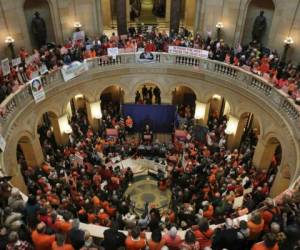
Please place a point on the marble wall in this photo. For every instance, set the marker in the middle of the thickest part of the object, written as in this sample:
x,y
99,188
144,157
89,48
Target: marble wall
x,y
236,15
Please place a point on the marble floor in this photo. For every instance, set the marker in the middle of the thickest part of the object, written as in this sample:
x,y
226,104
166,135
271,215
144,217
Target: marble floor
x,y
144,189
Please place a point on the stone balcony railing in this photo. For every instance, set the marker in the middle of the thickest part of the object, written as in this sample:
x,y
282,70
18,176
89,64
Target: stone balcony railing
x,y
14,103
277,98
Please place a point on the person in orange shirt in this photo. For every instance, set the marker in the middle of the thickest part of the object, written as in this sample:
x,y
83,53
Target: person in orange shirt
x,y
40,239
103,217
203,234
208,210
269,243
60,244
269,212
255,225
63,225
156,242
96,201
135,240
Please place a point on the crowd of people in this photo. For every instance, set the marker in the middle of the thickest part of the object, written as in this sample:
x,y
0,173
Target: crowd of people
x,y
81,181
253,57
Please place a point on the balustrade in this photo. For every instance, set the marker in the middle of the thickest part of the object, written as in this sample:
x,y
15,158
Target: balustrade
x,y
15,101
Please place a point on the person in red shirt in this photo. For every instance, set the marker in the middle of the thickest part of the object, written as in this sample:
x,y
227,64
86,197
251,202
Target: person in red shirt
x,y
135,240
269,243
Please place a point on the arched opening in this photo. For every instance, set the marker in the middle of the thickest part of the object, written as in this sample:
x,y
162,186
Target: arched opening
x,y
111,99
39,34
27,155
188,14
148,93
77,114
218,108
248,131
46,132
263,24
184,99
147,11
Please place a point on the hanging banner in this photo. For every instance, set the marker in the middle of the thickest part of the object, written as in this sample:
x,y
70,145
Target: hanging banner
x,y
144,57
5,67
73,70
16,61
113,52
37,89
2,143
184,51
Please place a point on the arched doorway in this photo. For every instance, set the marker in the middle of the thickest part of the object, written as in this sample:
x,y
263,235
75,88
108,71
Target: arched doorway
x,y
148,93
46,133
42,7
185,96
218,108
111,99
254,9
77,114
184,99
248,131
29,154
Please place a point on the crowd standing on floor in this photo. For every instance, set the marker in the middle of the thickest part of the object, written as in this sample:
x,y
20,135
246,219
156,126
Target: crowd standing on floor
x,y
79,182
204,178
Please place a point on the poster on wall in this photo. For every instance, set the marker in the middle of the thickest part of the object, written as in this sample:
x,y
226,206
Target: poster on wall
x,y
37,89
5,67
113,52
73,70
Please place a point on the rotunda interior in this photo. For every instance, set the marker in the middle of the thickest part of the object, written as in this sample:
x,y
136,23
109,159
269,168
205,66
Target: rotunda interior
x,y
150,124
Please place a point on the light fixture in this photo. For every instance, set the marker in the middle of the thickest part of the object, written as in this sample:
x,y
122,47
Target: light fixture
x,y
289,40
200,110
96,110
64,125
218,97
10,43
78,96
287,44
9,40
231,125
219,25
77,25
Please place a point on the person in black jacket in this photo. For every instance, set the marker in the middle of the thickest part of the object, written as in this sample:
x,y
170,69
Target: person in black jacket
x,y
113,239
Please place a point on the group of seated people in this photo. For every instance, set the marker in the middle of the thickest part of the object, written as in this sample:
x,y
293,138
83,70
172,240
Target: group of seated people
x,y
253,57
79,182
